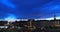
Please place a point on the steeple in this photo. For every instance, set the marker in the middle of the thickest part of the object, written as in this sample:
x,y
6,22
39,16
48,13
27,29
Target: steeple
x,y
54,17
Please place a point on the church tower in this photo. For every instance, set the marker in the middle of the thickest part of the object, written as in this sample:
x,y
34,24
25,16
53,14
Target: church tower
x,y
54,20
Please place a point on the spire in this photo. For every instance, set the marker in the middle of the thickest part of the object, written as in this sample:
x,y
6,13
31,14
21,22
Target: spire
x,y
54,17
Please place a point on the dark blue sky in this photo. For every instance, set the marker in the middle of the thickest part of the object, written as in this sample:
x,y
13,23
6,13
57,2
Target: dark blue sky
x,y
29,8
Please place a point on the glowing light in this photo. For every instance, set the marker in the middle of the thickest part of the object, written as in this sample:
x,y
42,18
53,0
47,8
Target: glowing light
x,y
11,17
52,18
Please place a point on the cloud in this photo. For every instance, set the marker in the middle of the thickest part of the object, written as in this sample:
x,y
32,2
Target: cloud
x,y
7,3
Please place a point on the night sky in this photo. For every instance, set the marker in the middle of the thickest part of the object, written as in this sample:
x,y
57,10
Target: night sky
x,y
29,8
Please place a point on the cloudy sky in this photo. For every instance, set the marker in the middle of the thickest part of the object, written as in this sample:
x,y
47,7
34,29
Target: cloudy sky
x,y
29,8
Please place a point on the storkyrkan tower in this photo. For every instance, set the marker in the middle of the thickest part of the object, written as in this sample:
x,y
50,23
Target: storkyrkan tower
x,y
54,20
